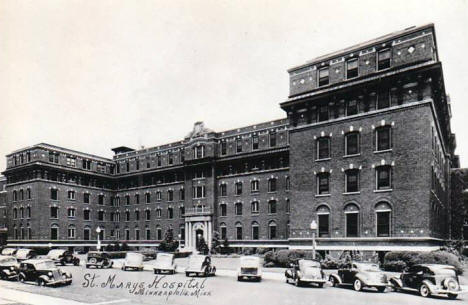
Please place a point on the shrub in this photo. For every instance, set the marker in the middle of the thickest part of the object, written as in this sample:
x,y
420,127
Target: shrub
x,y
394,260
262,251
269,265
282,258
395,266
269,257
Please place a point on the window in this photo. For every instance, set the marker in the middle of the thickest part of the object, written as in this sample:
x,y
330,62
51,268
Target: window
x,y
159,160
137,234
383,211
272,185
127,200
101,199
86,164
272,230
54,212
127,234
28,156
324,224
323,183
238,145
171,158
323,77
352,143
86,234
28,193
21,195
351,107
127,165
323,148
71,212
198,174
254,186
238,188
71,195
182,194
86,197
137,198
100,215
127,216
158,213
199,192
383,59
223,209
383,99
148,234
86,215
352,220
170,213
71,161
239,231
383,138
255,231
170,195
254,207
272,139
181,212
54,232
199,152
323,113
28,212
22,212
288,206
147,215
223,148
71,232
158,233
352,68
223,231
223,189
352,180
148,198
137,215
15,213
255,142
383,177
53,194
272,206
158,195
288,183
117,216
238,208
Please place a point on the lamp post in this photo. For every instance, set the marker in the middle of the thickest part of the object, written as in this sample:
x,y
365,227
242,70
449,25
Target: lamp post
x,y
98,231
313,227
180,236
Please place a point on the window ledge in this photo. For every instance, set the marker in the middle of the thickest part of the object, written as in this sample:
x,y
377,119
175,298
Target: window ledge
x,y
254,192
323,195
383,191
324,159
382,151
351,193
350,156
272,192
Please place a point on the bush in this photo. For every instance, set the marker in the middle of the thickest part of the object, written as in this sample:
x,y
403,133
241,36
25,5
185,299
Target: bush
x,y
248,251
393,261
262,251
395,266
269,265
269,257
282,258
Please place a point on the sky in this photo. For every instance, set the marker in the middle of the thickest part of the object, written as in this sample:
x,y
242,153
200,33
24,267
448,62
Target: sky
x,y
93,75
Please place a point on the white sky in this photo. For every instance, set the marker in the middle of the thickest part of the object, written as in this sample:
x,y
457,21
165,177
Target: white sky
x,y
93,75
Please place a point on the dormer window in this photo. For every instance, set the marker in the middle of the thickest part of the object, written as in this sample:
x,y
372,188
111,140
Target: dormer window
x,y
323,77
199,152
352,68
383,59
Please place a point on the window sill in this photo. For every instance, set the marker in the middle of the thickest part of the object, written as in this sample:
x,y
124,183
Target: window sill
x,y
255,213
383,191
323,195
274,192
351,193
382,151
353,155
254,192
324,159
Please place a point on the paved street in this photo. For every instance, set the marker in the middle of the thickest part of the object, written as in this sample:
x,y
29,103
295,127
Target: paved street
x,y
96,286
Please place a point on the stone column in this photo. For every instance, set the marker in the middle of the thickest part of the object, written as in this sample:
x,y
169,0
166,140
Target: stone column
x,y
205,231
209,234
186,235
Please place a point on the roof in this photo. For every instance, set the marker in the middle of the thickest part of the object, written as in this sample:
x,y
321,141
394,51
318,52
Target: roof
x,y
122,149
36,260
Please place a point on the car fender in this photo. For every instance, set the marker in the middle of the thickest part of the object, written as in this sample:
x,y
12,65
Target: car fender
x,y
45,278
361,277
337,278
6,271
396,282
22,274
430,285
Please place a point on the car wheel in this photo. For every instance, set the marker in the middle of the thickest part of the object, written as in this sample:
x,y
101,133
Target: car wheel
x,y
93,260
357,285
424,290
333,281
381,289
76,263
156,271
62,263
40,282
123,268
298,282
239,278
187,273
452,296
21,278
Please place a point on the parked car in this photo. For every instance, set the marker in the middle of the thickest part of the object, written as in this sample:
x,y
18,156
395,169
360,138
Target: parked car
x,y
63,257
43,272
165,263
250,268
200,265
9,251
133,261
429,279
98,260
360,275
305,271
8,267
24,254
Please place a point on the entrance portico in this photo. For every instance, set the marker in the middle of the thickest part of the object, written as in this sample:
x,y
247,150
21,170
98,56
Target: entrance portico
x,y
197,226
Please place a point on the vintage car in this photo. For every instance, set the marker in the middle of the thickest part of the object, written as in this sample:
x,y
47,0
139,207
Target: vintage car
x,y
165,263
9,251
8,267
360,275
63,257
250,268
133,261
200,265
98,260
24,254
429,279
305,271
43,272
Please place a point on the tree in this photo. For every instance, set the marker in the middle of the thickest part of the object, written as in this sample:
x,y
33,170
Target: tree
x,y
202,247
458,202
215,243
169,244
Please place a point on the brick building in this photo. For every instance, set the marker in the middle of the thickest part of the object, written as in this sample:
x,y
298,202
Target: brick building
x,y
365,151
3,211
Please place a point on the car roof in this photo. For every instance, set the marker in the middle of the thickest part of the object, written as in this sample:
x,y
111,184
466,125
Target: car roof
x,y
36,261
6,256
436,266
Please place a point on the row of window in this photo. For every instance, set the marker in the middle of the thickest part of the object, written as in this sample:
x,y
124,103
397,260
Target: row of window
x,y
20,159
255,231
352,141
254,186
383,180
272,142
254,208
21,194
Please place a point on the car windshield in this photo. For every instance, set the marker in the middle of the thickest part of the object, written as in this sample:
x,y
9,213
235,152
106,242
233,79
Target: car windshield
x,y
45,265
94,254
55,253
367,267
308,264
22,253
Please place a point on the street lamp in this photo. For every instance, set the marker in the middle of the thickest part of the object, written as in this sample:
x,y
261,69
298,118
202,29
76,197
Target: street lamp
x,y
313,227
98,231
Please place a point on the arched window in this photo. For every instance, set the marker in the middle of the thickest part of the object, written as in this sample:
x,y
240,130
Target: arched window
x,y
170,213
21,195
352,143
170,195
28,212
239,231
352,220
22,212
272,230
272,206
223,231
101,216
158,213
255,208
29,193
127,216
54,232
323,219
71,232
147,215
384,213
238,208
199,152
254,186
288,183
15,196
158,233
272,185
127,233
288,206
222,209
148,197
255,231
137,215
15,213
148,234
181,212
127,200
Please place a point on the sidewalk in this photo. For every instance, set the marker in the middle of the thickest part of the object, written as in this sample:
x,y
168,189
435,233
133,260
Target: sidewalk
x,y
9,302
